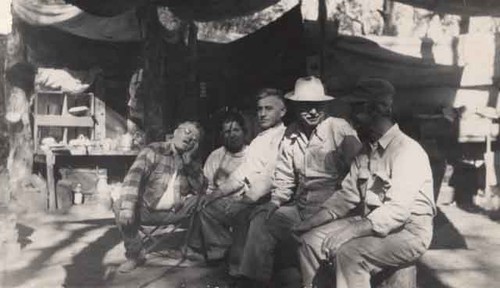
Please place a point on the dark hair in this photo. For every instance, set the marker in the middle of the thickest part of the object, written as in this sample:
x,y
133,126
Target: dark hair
x,y
22,75
233,116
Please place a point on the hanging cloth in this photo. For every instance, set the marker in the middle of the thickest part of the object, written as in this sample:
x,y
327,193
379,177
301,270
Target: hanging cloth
x,y
69,18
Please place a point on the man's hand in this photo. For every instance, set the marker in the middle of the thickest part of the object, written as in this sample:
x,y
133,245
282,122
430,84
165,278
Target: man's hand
x,y
178,206
189,155
268,209
126,217
321,217
335,239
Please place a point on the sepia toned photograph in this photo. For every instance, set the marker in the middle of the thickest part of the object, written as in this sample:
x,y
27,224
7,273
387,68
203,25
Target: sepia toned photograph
x,y
250,143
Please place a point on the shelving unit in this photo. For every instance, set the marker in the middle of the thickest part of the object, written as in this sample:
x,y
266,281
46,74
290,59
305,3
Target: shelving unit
x,y
51,112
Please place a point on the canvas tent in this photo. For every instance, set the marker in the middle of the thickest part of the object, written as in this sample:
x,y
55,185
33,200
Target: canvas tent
x,y
218,22
217,46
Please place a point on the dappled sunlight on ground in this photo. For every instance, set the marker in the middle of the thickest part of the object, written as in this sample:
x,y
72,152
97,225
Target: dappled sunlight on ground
x,y
84,249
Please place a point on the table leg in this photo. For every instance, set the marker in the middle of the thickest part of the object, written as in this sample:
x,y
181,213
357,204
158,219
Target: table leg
x,y
50,162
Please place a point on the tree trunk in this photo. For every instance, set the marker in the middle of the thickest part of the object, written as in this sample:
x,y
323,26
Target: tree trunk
x,y
390,28
20,159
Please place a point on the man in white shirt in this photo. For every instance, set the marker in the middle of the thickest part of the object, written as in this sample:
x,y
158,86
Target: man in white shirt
x,y
227,158
231,203
314,156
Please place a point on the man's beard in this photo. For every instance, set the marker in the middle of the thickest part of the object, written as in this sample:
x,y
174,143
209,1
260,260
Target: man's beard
x,y
364,134
233,148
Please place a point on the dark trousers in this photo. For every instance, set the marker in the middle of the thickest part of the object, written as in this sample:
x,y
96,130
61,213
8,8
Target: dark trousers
x,y
263,237
224,224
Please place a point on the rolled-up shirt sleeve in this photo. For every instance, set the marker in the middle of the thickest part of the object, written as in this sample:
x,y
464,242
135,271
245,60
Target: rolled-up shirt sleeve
x,y
408,177
284,181
132,182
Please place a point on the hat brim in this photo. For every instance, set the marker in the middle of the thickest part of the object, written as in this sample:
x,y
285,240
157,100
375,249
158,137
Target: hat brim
x,y
298,98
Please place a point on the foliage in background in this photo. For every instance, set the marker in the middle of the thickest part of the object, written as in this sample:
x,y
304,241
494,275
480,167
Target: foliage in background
x,y
368,17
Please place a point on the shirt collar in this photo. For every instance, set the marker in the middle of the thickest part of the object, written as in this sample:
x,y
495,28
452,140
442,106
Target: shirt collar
x,y
299,133
274,128
386,139
237,154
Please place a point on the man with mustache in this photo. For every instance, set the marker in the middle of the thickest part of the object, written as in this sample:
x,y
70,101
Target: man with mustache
x,y
389,187
314,156
159,188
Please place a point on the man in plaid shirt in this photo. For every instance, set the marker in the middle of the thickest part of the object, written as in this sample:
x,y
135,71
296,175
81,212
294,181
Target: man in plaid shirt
x,y
158,188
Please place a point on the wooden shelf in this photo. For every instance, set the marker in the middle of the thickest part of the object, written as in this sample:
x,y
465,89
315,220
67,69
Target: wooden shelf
x,y
64,121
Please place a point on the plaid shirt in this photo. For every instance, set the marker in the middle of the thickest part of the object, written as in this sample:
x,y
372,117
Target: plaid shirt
x,y
149,175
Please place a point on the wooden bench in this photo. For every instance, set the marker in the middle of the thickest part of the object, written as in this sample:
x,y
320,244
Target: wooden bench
x,y
405,277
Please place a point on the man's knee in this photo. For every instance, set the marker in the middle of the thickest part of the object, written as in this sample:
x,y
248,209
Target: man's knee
x,y
311,240
258,231
349,255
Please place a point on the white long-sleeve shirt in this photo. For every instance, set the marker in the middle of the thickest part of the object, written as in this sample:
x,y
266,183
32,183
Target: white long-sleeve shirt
x,y
260,162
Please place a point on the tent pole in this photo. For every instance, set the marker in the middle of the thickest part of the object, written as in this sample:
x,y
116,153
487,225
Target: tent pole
x,y
322,18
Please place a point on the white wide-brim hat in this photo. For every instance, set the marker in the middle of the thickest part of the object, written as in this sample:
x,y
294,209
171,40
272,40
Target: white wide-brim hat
x,y
308,89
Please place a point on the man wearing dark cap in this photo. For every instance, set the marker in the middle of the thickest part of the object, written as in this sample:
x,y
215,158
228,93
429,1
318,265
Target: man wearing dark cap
x,y
388,189
314,156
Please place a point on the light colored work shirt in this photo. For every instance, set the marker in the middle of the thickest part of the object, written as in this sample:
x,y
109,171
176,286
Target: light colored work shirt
x,y
314,164
220,164
260,162
399,183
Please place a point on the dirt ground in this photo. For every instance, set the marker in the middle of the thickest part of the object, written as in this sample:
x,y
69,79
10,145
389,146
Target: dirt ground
x,y
83,249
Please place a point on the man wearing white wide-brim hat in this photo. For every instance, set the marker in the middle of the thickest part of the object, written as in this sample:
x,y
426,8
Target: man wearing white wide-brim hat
x,y
314,157
391,181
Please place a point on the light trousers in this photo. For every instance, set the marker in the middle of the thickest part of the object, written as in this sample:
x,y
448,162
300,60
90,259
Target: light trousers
x,y
359,258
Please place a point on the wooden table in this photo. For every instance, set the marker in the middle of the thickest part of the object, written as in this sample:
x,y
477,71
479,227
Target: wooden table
x,y
50,157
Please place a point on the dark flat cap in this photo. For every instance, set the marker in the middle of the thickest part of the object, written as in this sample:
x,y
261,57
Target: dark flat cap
x,y
371,90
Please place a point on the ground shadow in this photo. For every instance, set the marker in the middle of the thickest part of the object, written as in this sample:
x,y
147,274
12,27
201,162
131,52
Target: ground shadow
x,y
446,235
427,278
20,276
24,233
90,260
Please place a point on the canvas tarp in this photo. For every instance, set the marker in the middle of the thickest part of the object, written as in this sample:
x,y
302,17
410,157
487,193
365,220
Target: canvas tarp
x,y
427,76
206,10
220,23
120,28
197,10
